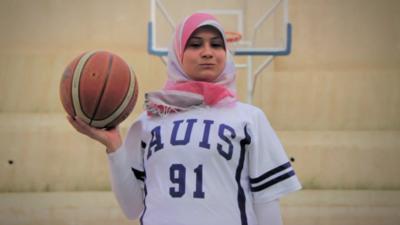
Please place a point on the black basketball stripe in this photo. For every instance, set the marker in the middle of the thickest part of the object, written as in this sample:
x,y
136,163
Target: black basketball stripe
x,y
122,101
79,83
110,62
72,81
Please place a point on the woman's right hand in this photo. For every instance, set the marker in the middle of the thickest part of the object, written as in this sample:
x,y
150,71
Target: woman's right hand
x,y
111,138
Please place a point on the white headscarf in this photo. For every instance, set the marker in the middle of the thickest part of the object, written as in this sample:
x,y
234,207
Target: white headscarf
x,y
180,92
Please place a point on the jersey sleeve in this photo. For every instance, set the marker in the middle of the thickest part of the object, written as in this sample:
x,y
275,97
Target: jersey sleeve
x,y
271,173
127,173
268,213
135,149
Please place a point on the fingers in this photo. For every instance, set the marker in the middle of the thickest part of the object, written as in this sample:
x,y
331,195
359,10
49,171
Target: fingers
x,y
80,125
109,137
72,122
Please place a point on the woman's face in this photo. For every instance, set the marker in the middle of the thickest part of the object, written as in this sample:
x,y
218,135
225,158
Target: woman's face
x,y
204,55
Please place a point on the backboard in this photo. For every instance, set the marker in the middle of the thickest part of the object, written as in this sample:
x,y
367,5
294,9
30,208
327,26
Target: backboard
x,y
263,24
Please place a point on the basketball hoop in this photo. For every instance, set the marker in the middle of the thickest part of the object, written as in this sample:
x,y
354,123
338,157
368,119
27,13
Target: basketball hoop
x,y
232,36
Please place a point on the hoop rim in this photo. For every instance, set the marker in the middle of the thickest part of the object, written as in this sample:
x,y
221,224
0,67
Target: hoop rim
x,y
232,36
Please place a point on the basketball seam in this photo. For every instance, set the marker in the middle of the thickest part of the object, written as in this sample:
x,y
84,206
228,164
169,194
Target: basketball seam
x,y
126,101
76,86
110,61
132,76
79,86
72,81
122,102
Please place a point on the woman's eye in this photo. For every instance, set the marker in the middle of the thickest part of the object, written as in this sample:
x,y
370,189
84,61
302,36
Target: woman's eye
x,y
217,45
194,45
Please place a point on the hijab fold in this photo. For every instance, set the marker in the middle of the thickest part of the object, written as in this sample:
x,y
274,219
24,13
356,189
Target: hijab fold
x,y
180,92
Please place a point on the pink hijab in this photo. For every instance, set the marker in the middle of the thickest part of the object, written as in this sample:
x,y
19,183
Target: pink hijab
x,y
181,93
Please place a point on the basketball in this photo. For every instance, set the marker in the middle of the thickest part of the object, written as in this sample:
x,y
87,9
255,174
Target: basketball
x,y
100,88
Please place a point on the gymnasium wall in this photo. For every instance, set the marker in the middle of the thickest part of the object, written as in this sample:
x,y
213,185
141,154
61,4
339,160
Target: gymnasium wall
x,y
335,101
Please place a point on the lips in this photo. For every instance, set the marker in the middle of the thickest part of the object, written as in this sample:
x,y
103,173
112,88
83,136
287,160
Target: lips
x,y
207,64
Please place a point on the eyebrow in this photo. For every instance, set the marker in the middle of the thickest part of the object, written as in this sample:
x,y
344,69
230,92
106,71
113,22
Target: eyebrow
x,y
197,37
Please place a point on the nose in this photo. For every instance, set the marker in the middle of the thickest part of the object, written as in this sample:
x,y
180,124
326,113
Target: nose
x,y
207,51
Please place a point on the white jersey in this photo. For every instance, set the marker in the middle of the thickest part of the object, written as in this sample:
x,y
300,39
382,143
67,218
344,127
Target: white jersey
x,y
207,166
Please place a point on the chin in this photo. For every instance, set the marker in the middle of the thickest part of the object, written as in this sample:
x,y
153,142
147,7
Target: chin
x,y
208,77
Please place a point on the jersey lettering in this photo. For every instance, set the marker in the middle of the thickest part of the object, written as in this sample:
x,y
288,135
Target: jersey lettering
x,y
225,133
189,127
177,176
221,133
155,141
199,193
205,143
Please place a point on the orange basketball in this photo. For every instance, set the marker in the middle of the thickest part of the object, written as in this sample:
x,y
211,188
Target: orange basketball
x,y
100,88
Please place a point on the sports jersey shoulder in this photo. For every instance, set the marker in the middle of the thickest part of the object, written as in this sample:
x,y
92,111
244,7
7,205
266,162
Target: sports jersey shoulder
x,y
271,174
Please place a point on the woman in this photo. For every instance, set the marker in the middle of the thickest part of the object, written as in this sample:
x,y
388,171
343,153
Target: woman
x,y
197,155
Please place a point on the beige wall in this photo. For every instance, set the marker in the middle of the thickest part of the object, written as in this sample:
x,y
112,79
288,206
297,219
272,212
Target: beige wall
x,y
344,72
335,101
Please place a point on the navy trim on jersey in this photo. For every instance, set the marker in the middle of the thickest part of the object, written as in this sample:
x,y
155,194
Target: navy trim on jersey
x,y
143,144
241,196
270,173
267,175
144,204
140,175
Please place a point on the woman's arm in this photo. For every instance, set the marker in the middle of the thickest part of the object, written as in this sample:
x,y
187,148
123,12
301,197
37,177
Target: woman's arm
x,y
126,187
